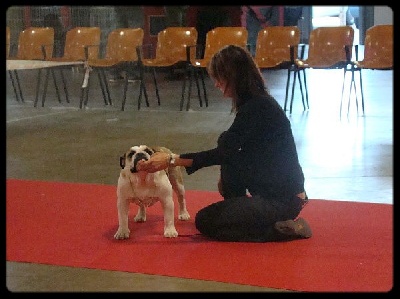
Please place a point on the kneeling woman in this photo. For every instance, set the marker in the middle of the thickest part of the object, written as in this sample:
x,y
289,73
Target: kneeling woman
x,y
261,179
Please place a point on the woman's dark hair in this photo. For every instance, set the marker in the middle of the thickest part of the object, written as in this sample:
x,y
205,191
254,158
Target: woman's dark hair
x,y
236,66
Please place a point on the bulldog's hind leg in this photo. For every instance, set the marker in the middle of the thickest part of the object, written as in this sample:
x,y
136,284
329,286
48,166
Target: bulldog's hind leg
x,y
141,215
176,179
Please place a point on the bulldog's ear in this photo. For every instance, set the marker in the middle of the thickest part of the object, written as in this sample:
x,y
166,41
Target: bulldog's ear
x,y
122,161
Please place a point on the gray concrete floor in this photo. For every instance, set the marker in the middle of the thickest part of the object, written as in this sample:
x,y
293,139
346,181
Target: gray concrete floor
x,y
347,158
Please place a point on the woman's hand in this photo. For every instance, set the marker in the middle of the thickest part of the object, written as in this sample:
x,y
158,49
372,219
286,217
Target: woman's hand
x,y
158,161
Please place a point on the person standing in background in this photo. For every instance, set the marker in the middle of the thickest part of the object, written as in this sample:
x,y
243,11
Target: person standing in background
x,y
209,17
254,18
128,16
53,20
292,15
175,15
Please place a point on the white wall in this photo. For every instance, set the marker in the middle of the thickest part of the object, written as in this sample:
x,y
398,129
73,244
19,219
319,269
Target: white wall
x,y
383,15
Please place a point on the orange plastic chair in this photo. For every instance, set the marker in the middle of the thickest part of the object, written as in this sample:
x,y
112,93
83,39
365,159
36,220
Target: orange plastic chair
x,y
329,48
378,55
216,39
276,49
81,44
36,43
171,51
123,46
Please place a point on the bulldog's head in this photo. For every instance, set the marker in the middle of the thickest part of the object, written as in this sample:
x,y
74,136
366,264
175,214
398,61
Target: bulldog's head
x,y
135,154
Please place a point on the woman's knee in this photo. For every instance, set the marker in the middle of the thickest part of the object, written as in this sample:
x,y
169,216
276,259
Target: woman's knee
x,y
203,222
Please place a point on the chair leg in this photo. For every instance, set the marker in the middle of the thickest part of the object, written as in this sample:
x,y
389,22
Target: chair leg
x,y
84,98
188,75
189,91
287,87
124,93
38,87
64,85
18,85
144,90
353,83
46,84
196,78
140,95
14,85
53,75
302,83
104,87
204,86
305,86
341,98
362,92
293,86
155,85
86,89
81,97
301,91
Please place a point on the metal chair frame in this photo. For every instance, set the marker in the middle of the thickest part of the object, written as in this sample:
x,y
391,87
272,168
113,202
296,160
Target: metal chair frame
x,y
329,48
171,51
216,39
378,55
277,48
122,52
81,44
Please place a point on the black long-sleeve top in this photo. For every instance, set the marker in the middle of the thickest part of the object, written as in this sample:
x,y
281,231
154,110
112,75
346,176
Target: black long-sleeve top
x,y
260,144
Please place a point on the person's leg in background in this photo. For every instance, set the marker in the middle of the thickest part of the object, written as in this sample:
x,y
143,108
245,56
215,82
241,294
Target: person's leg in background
x,y
253,26
255,18
175,16
129,16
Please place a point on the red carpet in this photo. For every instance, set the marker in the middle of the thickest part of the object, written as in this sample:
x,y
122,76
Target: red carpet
x,y
70,224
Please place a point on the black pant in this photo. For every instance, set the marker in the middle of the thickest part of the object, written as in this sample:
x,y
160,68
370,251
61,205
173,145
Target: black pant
x,y
241,218
245,219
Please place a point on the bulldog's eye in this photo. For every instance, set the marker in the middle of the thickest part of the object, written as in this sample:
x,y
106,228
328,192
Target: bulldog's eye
x,y
149,151
131,154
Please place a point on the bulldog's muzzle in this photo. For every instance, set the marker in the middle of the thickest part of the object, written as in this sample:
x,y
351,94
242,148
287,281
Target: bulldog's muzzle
x,y
138,157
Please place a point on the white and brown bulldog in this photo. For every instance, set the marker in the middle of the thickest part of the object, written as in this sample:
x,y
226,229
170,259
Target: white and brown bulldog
x,y
145,189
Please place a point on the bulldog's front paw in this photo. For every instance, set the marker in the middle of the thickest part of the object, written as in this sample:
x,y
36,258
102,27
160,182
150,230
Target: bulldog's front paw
x,y
184,215
140,218
170,232
122,234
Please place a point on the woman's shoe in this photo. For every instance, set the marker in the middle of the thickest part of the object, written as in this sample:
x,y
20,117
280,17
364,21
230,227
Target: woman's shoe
x,y
294,228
